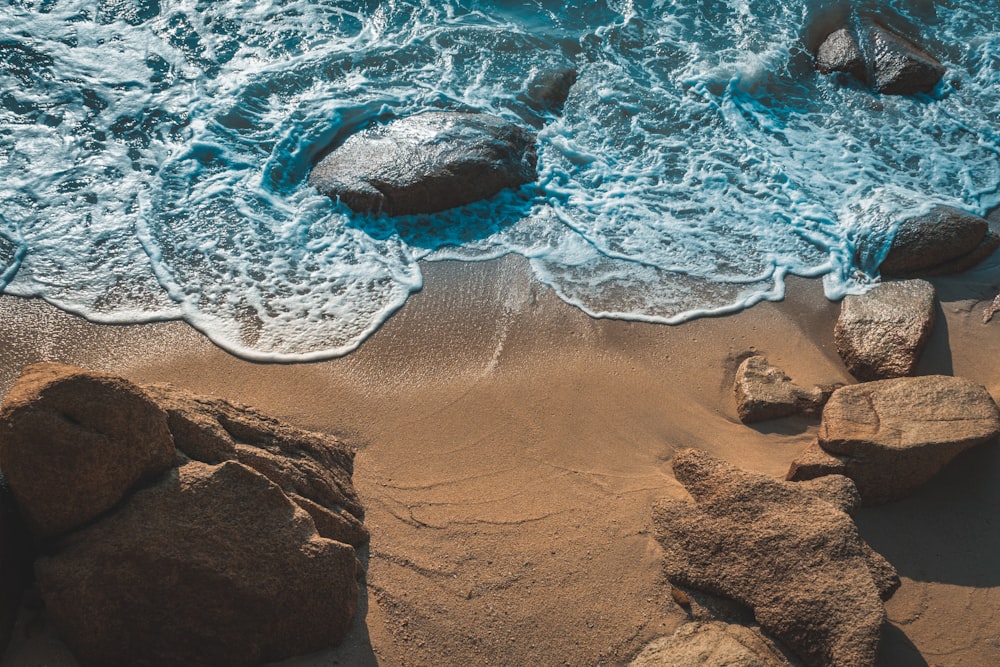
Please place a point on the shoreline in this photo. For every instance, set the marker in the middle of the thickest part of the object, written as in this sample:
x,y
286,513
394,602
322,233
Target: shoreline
x,y
510,449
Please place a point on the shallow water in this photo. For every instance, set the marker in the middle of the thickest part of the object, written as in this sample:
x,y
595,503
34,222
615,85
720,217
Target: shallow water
x,y
154,154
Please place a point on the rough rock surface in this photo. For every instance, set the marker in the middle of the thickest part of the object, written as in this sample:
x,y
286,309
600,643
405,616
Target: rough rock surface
x,y
313,469
898,66
546,92
944,240
213,565
787,550
15,563
427,162
839,52
894,435
73,443
710,644
882,333
764,392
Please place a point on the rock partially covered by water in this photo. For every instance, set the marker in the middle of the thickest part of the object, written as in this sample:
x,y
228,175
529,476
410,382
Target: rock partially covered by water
x,y
73,443
945,240
545,93
840,53
892,436
764,392
888,62
897,65
213,565
882,333
426,163
787,550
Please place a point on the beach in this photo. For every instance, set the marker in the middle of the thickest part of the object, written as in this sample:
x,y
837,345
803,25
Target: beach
x,y
510,449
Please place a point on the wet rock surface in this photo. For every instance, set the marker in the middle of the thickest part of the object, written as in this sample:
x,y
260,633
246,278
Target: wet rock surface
x,y
789,551
15,563
945,240
885,60
882,333
840,52
892,436
764,392
426,163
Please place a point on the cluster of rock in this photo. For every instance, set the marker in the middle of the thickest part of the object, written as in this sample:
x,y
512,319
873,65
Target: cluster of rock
x,y
174,529
883,59
788,550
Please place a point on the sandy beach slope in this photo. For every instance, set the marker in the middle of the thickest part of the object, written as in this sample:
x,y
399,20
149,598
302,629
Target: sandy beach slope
x,y
511,448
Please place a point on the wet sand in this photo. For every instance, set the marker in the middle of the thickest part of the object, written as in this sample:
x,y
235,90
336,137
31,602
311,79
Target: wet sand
x,y
510,449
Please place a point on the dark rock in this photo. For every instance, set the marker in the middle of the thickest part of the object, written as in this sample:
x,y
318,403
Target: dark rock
x,y
547,91
74,443
313,469
926,242
882,333
892,436
15,563
986,247
787,550
426,163
897,65
213,565
764,392
710,644
839,52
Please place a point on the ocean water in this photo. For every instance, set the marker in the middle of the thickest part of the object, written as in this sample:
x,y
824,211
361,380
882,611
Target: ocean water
x,y
154,154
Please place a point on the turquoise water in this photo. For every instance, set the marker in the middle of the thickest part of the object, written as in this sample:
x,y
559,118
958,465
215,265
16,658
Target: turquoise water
x,y
154,154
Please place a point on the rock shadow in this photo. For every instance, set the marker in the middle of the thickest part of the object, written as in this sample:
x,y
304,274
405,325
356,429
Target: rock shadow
x,y
945,532
936,358
896,649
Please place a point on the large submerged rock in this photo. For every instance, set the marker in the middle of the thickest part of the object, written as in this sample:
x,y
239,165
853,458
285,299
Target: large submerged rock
x,y
885,60
892,436
240,556
73,443
882,333
426,163
945,240
789,551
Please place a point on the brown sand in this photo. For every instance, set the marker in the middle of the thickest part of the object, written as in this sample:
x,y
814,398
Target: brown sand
x,y
510,450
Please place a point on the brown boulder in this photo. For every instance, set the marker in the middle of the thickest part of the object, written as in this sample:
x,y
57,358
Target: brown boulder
x,y
313,469
213,565
764,392
73,443
789,551
710,644
882,333
892,436
944,239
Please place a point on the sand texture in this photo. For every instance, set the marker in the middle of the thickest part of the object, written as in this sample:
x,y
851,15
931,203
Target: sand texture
x,y
511,450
